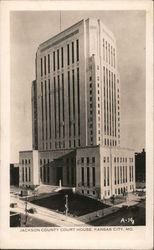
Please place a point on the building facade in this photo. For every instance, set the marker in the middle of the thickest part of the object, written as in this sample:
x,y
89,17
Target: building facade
x,y
76,110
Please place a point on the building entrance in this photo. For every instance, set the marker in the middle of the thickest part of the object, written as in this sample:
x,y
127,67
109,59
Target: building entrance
x,y
59,175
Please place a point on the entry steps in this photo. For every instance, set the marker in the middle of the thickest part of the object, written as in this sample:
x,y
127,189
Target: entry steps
x,y
43,188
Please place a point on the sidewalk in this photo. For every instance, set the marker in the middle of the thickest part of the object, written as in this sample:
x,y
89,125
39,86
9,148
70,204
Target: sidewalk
x,y
132,200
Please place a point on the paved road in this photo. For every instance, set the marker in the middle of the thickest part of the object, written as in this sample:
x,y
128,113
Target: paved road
x,y
130,217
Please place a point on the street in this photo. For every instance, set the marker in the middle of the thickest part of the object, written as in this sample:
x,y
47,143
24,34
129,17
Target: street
x,y
125,217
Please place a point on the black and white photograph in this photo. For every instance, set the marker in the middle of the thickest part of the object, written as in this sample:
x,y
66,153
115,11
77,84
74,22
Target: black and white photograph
x,y
78,130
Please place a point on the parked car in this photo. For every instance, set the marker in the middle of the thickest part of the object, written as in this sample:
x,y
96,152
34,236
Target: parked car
x,y
13,205
31,210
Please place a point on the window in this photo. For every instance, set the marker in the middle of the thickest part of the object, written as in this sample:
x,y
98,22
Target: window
x,y
87,160
68,55
77,50
93,173
78,98
115,180
72,52
41,67
55,111
26,174
63,105
104,177
59,106
58,58
69,104
22,161
73,90
88,176
93,160
25,161
62,58
108,176
54,61
118,175
48,63
23,174
82,175
48,175
45,65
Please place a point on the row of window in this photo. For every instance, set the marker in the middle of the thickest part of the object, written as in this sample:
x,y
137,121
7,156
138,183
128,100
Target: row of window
x,y
85,180
88,192
110,142
123,190
59,110
122,159
110,104
26,174
61,144
87,160
45,161
109,53
121,174
57,58
26,161
91,110
45,174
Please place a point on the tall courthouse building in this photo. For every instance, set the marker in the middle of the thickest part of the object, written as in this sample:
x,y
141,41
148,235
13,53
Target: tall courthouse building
x,y
76,115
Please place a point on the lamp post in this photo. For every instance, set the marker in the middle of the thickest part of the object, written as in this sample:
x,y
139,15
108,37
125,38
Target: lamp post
x,y
26,215
66,205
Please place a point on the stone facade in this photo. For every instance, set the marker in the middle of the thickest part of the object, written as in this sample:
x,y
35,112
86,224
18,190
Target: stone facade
x,y
76,115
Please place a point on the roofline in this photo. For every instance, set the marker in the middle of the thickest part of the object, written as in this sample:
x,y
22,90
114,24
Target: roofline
x,y
53,37
26,151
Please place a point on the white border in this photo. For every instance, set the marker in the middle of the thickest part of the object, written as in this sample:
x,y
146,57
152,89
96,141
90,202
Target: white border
x,y
140,237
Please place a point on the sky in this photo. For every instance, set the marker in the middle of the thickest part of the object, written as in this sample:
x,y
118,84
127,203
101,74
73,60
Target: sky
x,y
30,28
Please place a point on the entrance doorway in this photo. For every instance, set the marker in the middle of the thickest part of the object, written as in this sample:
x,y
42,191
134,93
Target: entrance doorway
x,y
59,175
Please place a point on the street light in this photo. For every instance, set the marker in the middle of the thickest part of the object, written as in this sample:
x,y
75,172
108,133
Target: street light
x,y
26,215
66,205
